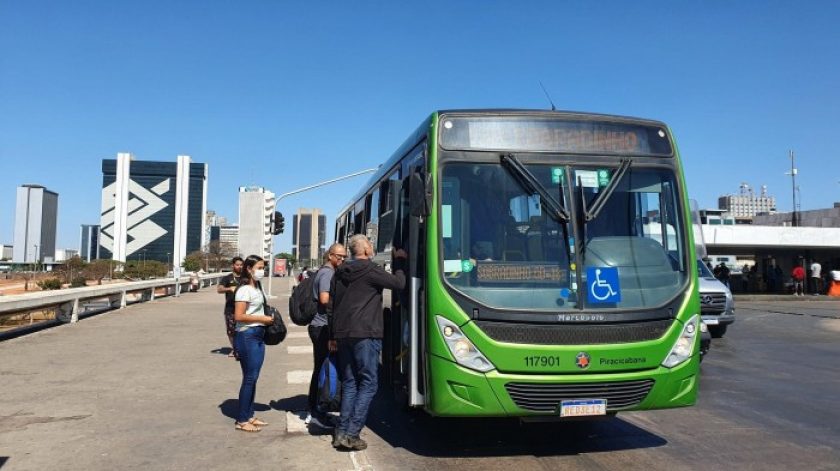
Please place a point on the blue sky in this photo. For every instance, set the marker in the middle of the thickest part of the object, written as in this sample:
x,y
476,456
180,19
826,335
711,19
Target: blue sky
x,y
285,94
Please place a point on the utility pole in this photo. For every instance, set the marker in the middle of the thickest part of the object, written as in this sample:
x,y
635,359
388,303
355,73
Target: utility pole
x,y
794,221
301,190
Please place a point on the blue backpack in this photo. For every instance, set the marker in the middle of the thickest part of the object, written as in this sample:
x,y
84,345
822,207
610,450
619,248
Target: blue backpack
x,y
329,386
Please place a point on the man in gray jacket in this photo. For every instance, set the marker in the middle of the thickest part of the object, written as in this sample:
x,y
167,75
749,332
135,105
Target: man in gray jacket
x,y
357,326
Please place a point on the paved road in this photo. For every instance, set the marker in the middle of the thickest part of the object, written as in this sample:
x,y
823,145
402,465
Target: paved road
x,y
151,387
769,399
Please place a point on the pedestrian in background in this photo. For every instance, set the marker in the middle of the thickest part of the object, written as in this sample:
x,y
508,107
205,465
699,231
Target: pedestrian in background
x,y
358,329
722,274
319,330
798,275
250,329
227,286
816,278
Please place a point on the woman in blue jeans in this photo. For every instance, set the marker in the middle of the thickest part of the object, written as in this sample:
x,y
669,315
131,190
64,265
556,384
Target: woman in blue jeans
x,y
250,327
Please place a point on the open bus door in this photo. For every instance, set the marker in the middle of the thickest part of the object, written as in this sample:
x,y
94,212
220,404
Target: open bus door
x,y
403,346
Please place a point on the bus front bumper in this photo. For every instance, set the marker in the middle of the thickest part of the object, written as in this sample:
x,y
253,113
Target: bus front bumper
x,y
456,391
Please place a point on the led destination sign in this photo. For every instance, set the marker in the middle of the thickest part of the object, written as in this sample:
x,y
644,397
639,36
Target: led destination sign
x,y
533,134
507,272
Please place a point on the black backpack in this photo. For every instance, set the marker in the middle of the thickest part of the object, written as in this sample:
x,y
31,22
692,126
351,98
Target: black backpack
x,y
302,303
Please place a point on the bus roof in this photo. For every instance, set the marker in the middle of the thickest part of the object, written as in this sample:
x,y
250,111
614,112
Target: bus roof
x,y
422,130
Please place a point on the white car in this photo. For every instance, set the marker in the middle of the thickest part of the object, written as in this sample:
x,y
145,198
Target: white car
x,y
717,307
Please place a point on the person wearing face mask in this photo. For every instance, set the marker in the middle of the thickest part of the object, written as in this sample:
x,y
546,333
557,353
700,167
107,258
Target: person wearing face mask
x,y
248,313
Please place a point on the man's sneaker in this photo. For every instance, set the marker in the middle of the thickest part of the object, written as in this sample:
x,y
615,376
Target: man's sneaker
x,y
321,421
353,443
338,439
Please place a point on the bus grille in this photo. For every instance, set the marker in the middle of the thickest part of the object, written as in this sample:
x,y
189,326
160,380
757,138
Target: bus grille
x,y
582,334
546,397
712,302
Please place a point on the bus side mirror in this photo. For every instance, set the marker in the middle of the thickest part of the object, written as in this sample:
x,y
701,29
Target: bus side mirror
x,y
420,194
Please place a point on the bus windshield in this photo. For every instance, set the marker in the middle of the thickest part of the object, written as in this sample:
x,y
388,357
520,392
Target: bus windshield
x,y
504,248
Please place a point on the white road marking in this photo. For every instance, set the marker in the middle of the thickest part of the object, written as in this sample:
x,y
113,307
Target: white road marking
x,y
297,335
360,461
298,376
299,350
294,422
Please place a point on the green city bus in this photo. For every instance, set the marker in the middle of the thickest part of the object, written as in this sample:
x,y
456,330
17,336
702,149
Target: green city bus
x,y
551,265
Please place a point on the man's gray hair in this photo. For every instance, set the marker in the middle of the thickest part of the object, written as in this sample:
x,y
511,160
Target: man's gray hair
x,y
332,250
358,243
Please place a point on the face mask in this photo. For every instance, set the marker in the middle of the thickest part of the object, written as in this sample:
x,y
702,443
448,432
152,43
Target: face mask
x,y
259,274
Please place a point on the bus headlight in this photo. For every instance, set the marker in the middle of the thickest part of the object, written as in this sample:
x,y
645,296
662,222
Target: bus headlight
x,y
461,348
684,346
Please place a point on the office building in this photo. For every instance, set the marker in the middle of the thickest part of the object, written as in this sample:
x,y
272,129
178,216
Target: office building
x,y
36,220
152,210
89,242
256,208
6,252
308,236
228,238
212,219
62,255
744,206
827,217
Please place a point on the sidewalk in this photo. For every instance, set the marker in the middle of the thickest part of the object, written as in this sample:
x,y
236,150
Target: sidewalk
x,y
151,387
783,297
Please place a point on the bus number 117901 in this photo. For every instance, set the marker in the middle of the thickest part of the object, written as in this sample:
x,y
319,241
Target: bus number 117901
x,y
542,360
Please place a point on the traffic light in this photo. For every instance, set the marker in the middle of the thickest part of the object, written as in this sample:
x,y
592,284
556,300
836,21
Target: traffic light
x,y
278,223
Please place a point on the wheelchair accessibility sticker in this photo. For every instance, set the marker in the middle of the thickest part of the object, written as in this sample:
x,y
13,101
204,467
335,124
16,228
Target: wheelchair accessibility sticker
x,y
603,285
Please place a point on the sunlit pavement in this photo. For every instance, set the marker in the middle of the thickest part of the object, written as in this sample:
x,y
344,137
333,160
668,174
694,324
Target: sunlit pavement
x,y
151,387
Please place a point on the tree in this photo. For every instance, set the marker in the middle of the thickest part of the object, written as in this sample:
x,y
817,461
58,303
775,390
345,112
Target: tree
x,y
26,276
145,269
218,255
290,260
50,284
72,268
193,261
99,269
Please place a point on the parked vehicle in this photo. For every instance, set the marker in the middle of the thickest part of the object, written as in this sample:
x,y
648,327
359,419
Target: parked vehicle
x,y
717,306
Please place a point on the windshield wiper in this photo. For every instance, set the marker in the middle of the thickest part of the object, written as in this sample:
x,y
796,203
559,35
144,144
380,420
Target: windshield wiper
x,y
530,184
597,205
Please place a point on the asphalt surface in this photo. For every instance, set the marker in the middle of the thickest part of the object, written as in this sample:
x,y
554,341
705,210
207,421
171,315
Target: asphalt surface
x,y
151,387
769,400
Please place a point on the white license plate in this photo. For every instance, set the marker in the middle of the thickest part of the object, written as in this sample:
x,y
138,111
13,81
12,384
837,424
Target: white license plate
x,y
583,407
711,321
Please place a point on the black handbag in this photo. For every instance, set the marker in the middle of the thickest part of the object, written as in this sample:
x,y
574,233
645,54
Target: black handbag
x,y
276,331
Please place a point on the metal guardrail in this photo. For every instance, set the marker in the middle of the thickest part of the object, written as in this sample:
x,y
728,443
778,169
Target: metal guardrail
x,y
68,302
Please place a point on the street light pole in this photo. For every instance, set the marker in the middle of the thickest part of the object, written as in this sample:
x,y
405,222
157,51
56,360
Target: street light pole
x,y
301,190
794,221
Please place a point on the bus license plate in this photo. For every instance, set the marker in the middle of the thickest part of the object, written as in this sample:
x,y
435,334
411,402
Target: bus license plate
x,y
583,407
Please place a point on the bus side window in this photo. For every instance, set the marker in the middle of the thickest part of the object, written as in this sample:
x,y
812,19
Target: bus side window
x,y
452,207
372,212
388,191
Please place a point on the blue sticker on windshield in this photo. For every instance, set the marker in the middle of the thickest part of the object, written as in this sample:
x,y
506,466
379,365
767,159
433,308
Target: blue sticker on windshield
x,y
603,285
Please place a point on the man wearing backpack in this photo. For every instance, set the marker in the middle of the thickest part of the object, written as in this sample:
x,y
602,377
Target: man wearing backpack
x,y
357,325
319,329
